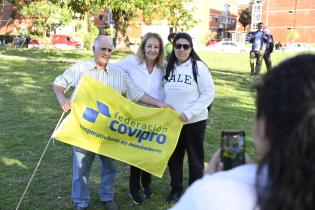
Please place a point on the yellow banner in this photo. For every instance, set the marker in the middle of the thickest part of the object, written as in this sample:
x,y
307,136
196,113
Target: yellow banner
x,y
103,121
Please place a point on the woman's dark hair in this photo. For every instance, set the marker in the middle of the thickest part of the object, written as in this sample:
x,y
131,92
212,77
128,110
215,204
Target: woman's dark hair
x,y
286,100
172,58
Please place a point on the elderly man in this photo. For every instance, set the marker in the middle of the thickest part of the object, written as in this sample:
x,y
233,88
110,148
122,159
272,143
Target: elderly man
x,y
99,69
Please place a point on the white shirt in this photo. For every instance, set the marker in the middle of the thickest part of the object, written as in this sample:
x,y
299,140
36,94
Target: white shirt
x,y
112,77
151,83
188,96
227,190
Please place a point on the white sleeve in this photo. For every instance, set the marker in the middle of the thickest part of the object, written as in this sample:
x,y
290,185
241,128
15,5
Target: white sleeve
x,y
66,80
124,64
206,90
211,193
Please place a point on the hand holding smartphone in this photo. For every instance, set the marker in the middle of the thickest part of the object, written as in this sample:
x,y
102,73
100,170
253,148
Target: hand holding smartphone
x,y
232,148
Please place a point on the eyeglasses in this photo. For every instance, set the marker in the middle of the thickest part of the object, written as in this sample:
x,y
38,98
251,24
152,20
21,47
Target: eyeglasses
x,y
104,49
179,46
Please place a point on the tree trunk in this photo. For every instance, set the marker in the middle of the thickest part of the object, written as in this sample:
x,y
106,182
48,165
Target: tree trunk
x,y
121,23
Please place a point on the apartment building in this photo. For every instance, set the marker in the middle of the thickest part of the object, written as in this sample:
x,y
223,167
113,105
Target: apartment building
x,y
283,16
223,17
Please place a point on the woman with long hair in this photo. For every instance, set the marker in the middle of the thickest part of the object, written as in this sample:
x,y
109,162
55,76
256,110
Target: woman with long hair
x,y
146,69
189,88
284,135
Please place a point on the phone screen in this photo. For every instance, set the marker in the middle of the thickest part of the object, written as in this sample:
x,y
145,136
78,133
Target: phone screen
x,y
232,148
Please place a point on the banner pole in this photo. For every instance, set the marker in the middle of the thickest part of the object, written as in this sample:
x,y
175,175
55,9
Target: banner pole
x,y
40,160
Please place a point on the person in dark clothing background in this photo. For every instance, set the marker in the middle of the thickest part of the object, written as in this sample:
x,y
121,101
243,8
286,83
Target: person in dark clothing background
x,y
269,49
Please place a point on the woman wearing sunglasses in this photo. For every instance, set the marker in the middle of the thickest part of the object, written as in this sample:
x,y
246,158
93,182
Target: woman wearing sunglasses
x,y
190,90
146,69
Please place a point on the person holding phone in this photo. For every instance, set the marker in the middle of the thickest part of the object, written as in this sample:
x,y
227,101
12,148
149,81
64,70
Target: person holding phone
x,y
284,135
189,89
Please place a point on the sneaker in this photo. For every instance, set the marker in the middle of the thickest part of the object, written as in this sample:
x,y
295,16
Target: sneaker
x,y
136,197
110,205
147,192
77,207
173,197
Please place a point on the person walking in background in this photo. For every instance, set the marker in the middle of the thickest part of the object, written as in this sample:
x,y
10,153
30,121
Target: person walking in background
x,y
146,69
259,41
269,49
169,45
99,69
190,90
284,136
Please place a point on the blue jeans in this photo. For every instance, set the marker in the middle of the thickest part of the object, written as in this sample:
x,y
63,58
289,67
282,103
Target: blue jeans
x,y
82,162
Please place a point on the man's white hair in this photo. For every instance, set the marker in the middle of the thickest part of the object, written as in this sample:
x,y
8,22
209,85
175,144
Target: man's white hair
x,y
98,39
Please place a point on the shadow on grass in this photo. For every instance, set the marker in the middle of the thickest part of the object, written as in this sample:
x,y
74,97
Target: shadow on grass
x,y
57,54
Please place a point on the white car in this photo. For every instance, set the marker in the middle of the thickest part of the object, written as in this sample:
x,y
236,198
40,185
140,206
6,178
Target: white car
x,y
228,46
299,47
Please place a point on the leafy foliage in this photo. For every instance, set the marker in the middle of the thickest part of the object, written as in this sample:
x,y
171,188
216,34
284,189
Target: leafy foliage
x,y
293,35
45,15
125,11
245,17
179,17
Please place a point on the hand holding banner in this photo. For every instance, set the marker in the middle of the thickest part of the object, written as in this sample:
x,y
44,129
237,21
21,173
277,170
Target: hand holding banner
x,y
104,122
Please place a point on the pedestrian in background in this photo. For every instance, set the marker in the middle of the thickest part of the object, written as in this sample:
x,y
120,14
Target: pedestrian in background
x,y
169,45
269,49
259,42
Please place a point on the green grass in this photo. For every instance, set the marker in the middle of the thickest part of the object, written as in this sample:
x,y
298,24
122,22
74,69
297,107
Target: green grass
x,y
29,113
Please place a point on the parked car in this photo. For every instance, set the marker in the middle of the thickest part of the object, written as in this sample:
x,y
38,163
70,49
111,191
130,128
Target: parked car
x,y
211,42
299,47
35,43
65,42
229,46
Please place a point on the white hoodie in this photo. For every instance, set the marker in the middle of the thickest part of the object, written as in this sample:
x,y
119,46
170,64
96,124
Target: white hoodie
x,y
187,96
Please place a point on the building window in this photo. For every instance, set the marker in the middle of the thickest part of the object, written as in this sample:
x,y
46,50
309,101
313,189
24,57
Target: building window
x,y
257,8
256,17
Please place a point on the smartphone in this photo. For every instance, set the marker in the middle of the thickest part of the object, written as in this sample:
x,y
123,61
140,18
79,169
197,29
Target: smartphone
x,y
232,148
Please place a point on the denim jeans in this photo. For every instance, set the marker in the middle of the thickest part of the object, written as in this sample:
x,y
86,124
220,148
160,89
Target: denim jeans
x,y
82,162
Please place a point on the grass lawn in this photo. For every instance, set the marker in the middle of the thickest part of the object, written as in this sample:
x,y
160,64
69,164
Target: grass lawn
x,y
29,113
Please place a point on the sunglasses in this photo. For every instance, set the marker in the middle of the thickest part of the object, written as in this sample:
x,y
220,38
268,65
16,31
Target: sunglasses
x,y
104,49
179,46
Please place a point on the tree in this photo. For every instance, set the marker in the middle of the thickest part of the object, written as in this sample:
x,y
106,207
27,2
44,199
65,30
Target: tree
x,y
45,15
245,17
179,17
293,35
125,10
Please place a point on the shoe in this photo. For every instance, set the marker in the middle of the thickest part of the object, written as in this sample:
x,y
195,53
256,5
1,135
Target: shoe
x,y
136,197
110,205
147,192
77,207
174,196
